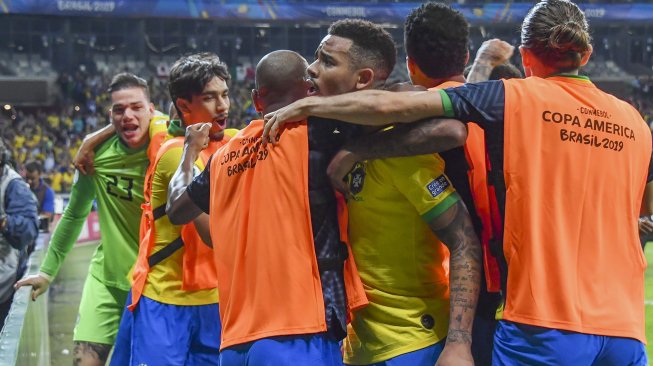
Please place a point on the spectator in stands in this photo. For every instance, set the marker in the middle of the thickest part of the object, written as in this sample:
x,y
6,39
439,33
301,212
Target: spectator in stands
x,y
18,227
43,192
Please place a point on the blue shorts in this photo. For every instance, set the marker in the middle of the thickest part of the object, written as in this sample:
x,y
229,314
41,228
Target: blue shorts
x,y
164,334
520,344
315,350
427,356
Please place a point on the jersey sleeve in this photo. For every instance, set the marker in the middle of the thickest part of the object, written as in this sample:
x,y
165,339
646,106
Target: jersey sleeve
x,y
163,172
482,103
73,220
158,124
422,181
199,190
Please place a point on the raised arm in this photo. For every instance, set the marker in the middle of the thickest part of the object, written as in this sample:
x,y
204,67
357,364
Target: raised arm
x,y
83,160
454,229
64,236
492,53
181,209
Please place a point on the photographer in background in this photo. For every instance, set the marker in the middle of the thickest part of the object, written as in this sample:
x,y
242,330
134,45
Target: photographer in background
x,y
44,194
18,226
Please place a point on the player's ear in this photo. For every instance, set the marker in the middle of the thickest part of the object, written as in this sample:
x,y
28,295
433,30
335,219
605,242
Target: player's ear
x,y
411,66
184,107
152,108
256,99
365,78
586,56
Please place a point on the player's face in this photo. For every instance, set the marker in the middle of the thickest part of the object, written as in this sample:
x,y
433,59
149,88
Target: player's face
x,y
210,106
131,112
332,72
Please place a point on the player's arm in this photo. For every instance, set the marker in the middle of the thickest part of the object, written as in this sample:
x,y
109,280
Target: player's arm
x,y
422,182
454,228
65,234
83,160
181,207
492,53
482,103
424,137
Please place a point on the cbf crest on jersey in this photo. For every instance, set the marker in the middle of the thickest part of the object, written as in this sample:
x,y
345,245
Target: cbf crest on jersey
x,y
356,179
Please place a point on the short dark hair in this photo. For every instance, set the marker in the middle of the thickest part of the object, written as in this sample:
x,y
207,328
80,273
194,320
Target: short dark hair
x,y
34,166
436,38
126,80
372,45
190,74
505,71
557,32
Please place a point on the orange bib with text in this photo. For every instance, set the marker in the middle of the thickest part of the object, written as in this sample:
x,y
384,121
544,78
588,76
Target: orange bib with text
x,y
268,276
576,162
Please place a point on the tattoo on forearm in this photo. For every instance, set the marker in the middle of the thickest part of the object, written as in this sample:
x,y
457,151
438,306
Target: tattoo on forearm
x,y
455,230
91,353
410,139
480,71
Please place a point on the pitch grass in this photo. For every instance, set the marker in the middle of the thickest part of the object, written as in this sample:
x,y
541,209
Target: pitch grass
x,y
64,295
66,291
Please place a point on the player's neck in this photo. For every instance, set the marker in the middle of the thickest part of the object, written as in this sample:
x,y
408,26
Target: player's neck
x,y
432,83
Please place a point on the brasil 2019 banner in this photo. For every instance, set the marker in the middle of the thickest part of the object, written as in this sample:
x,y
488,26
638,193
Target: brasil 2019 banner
x,y
271,10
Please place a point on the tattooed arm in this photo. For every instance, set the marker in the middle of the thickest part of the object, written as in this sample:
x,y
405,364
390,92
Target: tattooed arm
x,y
492,53
420,138
454,228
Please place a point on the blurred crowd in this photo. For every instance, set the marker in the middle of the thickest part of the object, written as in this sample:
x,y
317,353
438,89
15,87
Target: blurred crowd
x,y
52,135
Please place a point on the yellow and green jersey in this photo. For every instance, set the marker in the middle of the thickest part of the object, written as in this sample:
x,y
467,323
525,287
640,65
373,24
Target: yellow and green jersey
x,y
403,266
164,281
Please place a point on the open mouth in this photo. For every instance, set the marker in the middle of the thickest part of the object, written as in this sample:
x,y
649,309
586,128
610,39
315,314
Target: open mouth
x,y
313,89
220,122
130,129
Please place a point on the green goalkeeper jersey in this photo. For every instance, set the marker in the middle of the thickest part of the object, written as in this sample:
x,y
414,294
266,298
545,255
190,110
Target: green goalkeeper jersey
x,y
118,187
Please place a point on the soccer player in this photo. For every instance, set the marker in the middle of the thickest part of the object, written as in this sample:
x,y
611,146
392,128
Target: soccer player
x,y
282,281
560,301
397,208
436,39
174,298
117,185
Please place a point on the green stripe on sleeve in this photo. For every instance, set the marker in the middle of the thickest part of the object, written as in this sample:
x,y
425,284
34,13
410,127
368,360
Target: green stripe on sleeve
x,y
436,211
446,103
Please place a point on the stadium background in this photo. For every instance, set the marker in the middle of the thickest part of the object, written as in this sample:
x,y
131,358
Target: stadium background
x,y
57,57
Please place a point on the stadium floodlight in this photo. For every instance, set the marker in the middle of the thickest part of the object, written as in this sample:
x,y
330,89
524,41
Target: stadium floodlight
x,y
7,107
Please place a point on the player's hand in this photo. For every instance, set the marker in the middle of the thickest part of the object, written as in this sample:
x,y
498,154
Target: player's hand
x,y
645,226
39,285
495,52
83,160
197,137
341,164
456,354
274,121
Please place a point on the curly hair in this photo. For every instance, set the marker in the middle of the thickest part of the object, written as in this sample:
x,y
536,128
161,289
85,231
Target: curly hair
x,y
372,45
436,38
